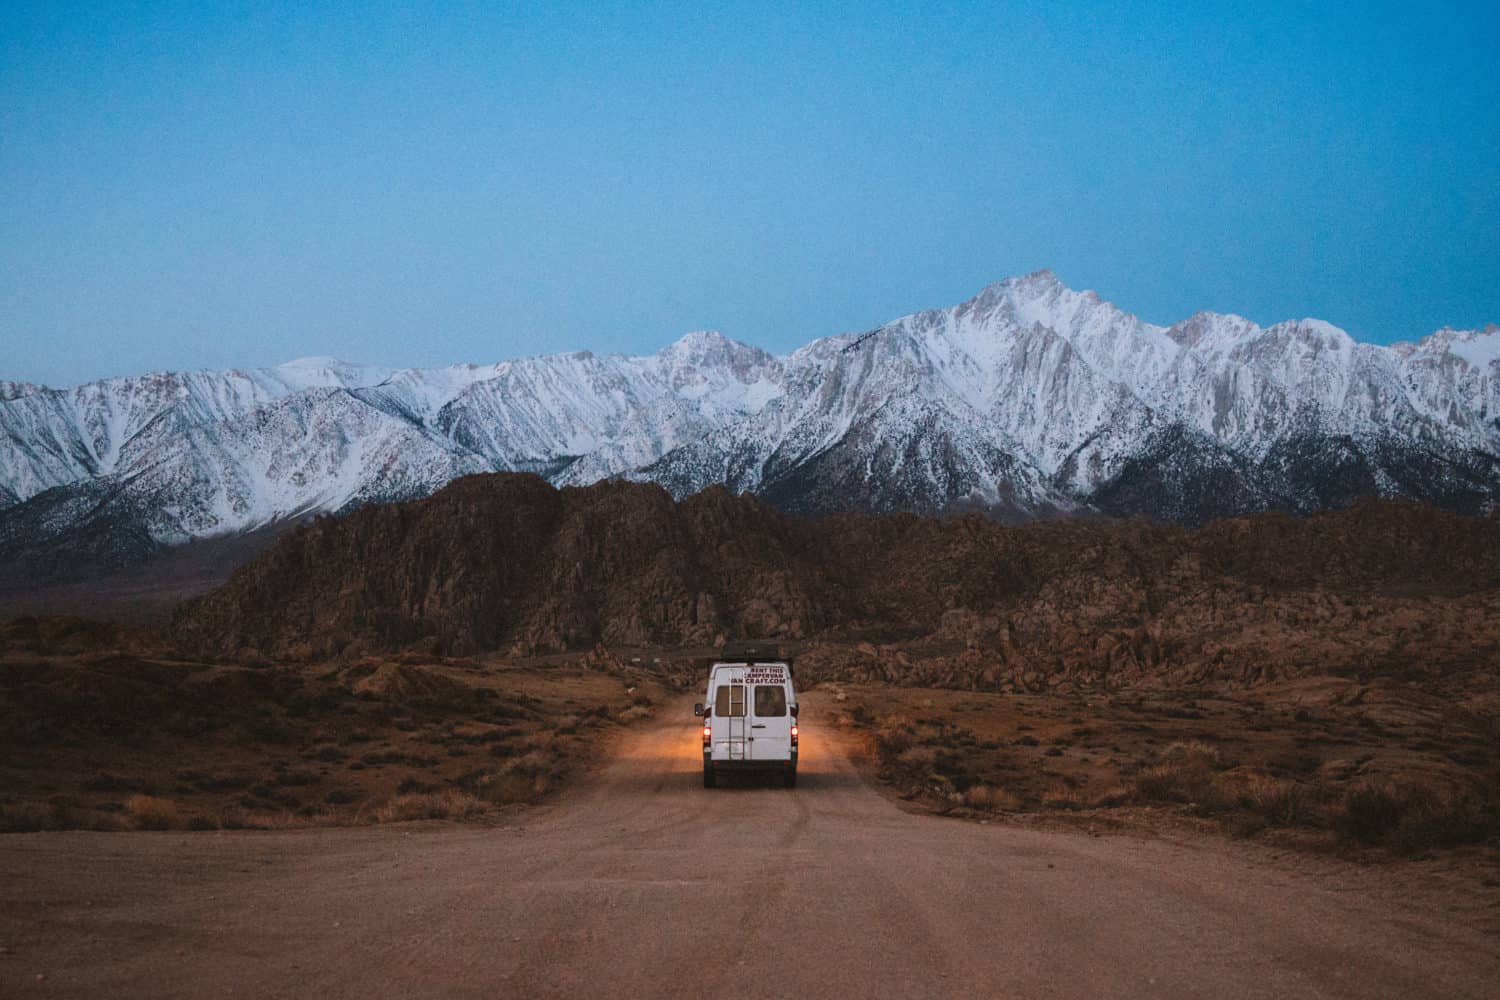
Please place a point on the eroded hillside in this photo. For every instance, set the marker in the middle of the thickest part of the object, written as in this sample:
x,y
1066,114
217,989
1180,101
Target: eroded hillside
x,y
506,562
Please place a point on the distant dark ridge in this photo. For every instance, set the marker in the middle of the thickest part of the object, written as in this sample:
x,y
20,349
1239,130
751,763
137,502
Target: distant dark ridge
x,y
507,562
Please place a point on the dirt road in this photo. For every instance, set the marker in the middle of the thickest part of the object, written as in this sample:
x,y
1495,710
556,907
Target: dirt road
x,y
638,882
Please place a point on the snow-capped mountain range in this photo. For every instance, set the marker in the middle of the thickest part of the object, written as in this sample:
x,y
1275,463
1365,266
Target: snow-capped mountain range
x,y
1028,399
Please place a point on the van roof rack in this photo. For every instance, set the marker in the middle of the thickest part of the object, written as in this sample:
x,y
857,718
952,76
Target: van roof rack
x,y
753,652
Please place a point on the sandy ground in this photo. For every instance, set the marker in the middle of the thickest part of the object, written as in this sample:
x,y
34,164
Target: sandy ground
x,y
638,882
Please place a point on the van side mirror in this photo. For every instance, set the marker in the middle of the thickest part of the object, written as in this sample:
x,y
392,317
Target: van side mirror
x,y
698,709
794,711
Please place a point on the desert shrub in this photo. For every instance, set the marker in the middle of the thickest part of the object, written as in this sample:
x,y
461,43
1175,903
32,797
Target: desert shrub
x,y
1412,819
234,817
1183,773
949,735
956,768
894,738
1275,801
26,817
508,788
201,823
147,812
1191,752
448,804
522,779
917,758
1446,821
1370,812
1063,797
541,766
55,815
1302,764
1117,795
991,798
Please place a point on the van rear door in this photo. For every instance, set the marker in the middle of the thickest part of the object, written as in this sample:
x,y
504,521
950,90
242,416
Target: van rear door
x,y
770,720
731,723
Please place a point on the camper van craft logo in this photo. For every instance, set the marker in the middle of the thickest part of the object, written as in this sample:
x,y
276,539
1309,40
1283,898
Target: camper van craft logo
x,y
764,675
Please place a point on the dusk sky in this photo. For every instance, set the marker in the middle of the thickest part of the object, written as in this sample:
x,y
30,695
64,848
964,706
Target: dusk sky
x,y
183,187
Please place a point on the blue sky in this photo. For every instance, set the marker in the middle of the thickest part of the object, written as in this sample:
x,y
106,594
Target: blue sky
x,y
186,186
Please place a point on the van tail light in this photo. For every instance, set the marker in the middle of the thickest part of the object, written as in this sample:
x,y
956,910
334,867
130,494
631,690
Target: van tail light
x,y
794,734
708,733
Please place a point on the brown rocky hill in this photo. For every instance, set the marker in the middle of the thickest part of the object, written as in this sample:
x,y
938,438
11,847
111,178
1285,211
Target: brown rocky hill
x,y
508,562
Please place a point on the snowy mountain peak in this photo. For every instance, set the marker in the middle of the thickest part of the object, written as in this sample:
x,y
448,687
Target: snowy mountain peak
x,y
1041,278
1030,397
702,344
1323,334
697,338
709,349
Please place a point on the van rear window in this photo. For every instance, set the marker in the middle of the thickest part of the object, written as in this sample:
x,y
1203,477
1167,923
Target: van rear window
x,y
729,701
770,700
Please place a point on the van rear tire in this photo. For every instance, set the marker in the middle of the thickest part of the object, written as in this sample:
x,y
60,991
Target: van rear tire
x,y
710,780
790,775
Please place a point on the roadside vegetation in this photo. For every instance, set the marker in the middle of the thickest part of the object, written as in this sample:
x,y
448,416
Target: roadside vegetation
x,y
1407,777
100,731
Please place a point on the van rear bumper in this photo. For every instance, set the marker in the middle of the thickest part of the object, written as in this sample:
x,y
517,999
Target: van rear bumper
x,y
737,764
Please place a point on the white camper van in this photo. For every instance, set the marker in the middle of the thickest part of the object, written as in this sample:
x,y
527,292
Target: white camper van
x,y
750,717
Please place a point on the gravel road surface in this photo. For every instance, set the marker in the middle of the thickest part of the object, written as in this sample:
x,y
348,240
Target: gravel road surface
x,y
637,882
